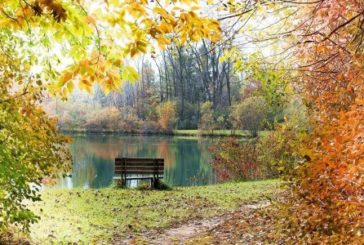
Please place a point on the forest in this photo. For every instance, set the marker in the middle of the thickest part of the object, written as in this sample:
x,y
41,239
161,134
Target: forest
x,y
255,109
184,88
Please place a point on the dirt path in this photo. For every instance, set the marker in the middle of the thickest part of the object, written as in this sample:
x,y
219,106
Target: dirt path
x,y
185,232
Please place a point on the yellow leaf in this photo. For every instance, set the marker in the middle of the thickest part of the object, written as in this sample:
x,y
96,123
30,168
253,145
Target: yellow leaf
x,y
128,73
90,20
70,87
166,28
163,42
64,78
86,85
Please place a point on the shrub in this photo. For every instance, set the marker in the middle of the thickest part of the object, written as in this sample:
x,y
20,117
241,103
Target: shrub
x,y
273,155
150,127
279,151
250,114
130,122
167,115
107,118
72,114
207,117
234,160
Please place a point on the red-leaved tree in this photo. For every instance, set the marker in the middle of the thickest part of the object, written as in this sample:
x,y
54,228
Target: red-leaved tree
x,y
328,191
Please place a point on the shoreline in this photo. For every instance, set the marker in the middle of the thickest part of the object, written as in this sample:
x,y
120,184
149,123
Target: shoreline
x,y
195,133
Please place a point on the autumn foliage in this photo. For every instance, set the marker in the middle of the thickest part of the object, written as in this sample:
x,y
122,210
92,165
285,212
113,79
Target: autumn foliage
x,y
28,154
327,194
54,46
326,201
167,113
236,161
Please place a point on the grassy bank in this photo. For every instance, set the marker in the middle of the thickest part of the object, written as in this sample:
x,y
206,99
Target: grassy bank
x,y
89,216
220,133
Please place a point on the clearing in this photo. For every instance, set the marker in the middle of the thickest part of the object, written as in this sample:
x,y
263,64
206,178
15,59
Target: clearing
x,y
114,215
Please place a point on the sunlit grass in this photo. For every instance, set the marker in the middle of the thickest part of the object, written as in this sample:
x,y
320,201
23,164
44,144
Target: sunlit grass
x,y
223,132
220,132
96,215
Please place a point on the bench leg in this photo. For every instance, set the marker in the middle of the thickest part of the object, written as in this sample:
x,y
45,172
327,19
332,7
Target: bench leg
x,y
155,183
123,181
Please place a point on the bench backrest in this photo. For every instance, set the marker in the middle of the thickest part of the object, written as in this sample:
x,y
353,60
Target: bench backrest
x,y
139,166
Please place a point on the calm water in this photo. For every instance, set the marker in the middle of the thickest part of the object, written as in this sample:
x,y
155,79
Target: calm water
x,y
186,158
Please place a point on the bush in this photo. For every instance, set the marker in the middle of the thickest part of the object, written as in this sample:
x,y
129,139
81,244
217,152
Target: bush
x,y
130,122
107,118
167,115
207,121
279,151
250,114
71,114
273,155
150,127
236,161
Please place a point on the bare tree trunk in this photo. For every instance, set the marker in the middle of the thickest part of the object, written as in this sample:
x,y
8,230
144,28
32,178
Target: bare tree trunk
x,y
181,80
161,94
227,77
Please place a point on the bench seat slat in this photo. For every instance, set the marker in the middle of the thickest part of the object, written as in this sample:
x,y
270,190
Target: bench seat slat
x,y
131,171
138,178
133,160
140,159
139,167
140,164
144,168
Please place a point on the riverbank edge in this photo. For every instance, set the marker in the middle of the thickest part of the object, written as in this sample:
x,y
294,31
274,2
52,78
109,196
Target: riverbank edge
x,y
192,133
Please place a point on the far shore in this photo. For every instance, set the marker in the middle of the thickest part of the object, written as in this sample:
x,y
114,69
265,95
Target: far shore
x,y
184,132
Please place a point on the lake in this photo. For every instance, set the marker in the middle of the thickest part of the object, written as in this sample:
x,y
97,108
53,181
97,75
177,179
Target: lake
x,y
187,159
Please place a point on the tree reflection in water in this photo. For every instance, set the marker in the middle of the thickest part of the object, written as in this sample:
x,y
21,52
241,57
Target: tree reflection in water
x,y
186,158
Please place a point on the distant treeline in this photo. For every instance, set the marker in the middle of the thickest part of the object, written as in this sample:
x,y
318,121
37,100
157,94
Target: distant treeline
x,y
185,88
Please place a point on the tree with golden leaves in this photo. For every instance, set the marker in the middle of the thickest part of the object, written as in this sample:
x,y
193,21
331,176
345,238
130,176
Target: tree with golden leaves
x,y
53,46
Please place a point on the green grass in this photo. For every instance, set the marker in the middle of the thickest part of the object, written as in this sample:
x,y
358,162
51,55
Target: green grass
x,y
222,132
93,216
196,132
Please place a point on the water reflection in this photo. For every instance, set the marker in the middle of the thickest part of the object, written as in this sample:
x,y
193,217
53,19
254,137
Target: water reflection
x,y
186,159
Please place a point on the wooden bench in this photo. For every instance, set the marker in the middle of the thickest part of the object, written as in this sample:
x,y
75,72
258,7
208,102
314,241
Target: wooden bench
x,y
140,168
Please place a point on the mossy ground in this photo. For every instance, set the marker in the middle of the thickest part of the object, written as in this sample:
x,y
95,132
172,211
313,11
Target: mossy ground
x,y
95,216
